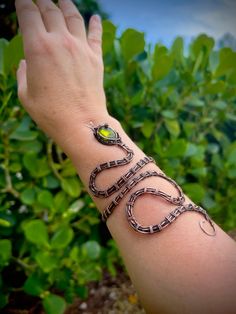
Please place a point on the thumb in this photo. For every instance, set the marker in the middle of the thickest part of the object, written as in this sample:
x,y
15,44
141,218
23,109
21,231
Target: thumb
x,y
95,34
21,80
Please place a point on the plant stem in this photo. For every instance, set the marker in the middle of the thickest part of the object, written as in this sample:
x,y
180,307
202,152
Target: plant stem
x,y
9,187
50,160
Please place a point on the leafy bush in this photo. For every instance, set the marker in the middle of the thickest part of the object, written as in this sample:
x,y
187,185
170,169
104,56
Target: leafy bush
x,y
181,109
178,108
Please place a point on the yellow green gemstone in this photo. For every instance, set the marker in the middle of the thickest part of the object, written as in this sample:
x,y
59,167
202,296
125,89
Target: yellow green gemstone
x,y
107,132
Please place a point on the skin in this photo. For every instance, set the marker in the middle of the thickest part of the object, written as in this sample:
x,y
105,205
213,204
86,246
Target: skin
x,y
60,84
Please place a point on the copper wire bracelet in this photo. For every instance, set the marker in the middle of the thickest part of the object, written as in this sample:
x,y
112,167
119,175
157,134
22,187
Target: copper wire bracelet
x,y
107,136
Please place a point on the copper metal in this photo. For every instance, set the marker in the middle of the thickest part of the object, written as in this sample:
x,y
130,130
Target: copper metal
x,y
129,181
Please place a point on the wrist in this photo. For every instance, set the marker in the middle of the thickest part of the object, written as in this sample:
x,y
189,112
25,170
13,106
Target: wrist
x,y
77,134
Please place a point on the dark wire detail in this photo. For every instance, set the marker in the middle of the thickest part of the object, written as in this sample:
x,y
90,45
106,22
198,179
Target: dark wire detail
x,y
107,136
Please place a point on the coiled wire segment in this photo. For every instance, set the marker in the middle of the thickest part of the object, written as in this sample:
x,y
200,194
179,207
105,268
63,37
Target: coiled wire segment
x,y
107,136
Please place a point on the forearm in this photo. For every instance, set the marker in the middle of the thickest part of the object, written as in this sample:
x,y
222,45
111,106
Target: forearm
x,y
197,271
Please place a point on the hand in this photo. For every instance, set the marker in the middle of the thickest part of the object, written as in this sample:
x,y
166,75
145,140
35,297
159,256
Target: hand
x,y
60,82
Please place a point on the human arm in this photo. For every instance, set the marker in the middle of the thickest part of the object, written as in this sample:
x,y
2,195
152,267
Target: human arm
x,y
179,270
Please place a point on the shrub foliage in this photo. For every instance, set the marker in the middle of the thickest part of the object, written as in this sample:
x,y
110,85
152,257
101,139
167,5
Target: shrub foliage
x,y
179,107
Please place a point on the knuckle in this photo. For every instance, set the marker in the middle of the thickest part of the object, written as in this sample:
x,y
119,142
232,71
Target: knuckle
x,y
27,7
69,43
95,40
40,46
50,9
96,61
74,15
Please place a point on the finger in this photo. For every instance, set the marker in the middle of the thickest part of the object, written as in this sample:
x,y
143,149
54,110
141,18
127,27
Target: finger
x,y
74,20
30,20
95,34
22,80
52,16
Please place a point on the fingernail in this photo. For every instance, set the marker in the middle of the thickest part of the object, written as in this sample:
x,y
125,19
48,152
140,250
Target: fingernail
x,y
97,18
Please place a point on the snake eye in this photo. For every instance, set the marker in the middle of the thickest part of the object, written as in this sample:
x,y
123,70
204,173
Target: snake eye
x,y
106,135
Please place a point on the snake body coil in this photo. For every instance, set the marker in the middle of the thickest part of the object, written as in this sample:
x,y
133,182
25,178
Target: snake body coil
x,y
107,136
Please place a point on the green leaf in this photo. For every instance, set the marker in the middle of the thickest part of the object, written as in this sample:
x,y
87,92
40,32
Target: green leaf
x,y
71,186
231,155
202,43
76,206
160,51
45,199
68,169
91,249
23,132
227,62
62,237
231,173
15,167
38,167
61,201
30,162
30,146
168,114
158,147
195,102
132,43
92,220
23,135
199,172
36,232
53,304
177,148
108,36
177,50
219,104
198,62
50,182
5,251
173,127
213,60
43,168
74,253
24,124
46,261
109,27
213,148
208,201
195,191
191,150
161,67
215,88
5,223
82,291
8,219
13,53
147,128
137,98
90,272
28,196
200,154
34,285
3,45
231,117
